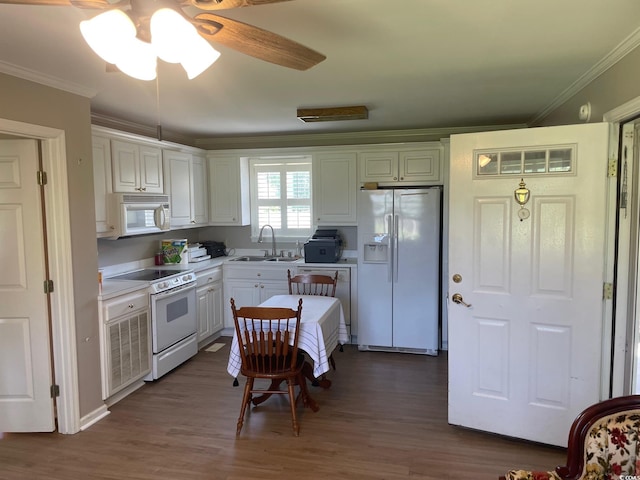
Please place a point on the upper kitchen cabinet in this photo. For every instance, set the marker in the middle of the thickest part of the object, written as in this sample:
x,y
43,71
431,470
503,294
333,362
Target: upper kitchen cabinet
x,y
415,165
229,195
200,189
136,168
186,183
101,182
334,188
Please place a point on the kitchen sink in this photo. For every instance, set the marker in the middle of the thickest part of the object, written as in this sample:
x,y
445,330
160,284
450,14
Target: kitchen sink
x,y
257,258
250,258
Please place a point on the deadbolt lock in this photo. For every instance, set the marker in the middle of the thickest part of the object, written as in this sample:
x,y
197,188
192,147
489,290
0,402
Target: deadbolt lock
x,y
457,278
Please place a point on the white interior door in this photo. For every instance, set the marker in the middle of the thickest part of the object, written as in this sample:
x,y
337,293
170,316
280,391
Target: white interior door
x,y
25,370
525,352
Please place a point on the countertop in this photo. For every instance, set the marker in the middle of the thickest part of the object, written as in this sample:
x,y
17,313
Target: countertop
x,y
112,288
216,262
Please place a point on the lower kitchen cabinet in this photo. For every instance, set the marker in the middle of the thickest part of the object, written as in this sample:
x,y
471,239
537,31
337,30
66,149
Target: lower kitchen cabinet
x,y
125,344
250,286
209,303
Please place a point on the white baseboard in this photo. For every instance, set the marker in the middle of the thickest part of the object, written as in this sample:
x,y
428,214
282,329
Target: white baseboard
x,y
115,398
94,417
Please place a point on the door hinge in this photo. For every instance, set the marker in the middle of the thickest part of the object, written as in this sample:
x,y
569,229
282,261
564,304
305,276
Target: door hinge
x,y
607,291
55,391
612,169
48,286
42,177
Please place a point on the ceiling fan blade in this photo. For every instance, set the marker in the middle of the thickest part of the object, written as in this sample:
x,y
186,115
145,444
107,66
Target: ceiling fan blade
x,y
256,42
227,4
97,4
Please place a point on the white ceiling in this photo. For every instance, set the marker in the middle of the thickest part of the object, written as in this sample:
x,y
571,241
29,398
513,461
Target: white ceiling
x,y
413,63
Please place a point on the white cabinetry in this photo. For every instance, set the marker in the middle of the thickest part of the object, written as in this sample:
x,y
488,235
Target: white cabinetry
x,y
137,168
200,189
209,303
101,182
229,190
125,343
334,188
250,286
414,165
185,182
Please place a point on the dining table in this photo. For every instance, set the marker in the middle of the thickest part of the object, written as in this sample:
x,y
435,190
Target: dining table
x,y
322,329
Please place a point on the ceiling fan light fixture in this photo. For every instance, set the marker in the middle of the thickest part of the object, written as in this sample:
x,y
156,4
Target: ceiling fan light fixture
x,y
139,61
199,57
108,34
171,34
333,114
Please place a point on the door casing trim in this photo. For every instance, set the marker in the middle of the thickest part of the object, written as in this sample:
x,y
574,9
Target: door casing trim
x,y
61,269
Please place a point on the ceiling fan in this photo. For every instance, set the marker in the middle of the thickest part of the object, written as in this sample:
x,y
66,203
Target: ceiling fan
x,y
242,37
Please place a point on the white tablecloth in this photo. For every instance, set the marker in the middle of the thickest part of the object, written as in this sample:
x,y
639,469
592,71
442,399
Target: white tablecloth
x,y
322,327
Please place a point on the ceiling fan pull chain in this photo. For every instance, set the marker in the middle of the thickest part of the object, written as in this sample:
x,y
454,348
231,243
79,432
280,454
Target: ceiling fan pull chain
x,y
158,126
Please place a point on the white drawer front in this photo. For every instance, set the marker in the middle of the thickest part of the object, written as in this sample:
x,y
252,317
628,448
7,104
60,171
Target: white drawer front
x,y
208,276
274,273
126,304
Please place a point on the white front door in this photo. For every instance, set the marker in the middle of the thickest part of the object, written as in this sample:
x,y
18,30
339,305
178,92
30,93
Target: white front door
x,y
25,369
525,352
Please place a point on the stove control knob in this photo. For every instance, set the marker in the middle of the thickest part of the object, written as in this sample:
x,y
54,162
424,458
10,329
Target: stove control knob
x,y
186,278
162,285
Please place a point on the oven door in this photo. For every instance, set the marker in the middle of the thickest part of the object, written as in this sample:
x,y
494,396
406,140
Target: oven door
x,y
173,316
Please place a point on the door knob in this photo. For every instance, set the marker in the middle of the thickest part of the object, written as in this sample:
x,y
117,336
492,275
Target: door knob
x,y
457,298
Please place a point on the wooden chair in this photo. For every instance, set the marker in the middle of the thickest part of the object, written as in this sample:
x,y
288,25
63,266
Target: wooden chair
x,y
310,284
313,284
268,343
604,442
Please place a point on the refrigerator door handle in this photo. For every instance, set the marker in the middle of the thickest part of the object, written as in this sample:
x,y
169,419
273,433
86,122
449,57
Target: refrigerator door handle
x,y
390,267
396,221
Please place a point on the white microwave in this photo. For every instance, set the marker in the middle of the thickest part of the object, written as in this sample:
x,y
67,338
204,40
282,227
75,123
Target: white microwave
x,y
137,214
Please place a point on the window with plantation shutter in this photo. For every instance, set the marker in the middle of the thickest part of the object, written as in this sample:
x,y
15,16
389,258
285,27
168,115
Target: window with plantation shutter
x,y
281,196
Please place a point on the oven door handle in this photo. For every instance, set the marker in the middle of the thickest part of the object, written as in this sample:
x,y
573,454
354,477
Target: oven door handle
x,y
175,291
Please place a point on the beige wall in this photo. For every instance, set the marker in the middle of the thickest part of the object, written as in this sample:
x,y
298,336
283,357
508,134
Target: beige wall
x,y
28,102
32,103
618,85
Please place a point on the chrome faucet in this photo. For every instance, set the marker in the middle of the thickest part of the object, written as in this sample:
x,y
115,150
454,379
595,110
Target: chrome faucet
x,y
273,239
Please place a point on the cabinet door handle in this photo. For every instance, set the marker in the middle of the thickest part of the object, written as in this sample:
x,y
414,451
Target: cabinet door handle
x,y
131,305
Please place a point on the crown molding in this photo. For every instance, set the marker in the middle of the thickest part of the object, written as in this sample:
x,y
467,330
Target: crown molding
x,y
613,57
47,80
139,129
344,138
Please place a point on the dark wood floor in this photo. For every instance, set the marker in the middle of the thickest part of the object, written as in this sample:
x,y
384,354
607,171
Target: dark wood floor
x,y
385,417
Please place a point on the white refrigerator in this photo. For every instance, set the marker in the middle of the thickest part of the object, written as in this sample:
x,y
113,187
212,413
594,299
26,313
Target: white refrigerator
x,y
399,251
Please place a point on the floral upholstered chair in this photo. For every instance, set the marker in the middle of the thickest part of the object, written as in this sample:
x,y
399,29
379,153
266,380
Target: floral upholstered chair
x,y
604,444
